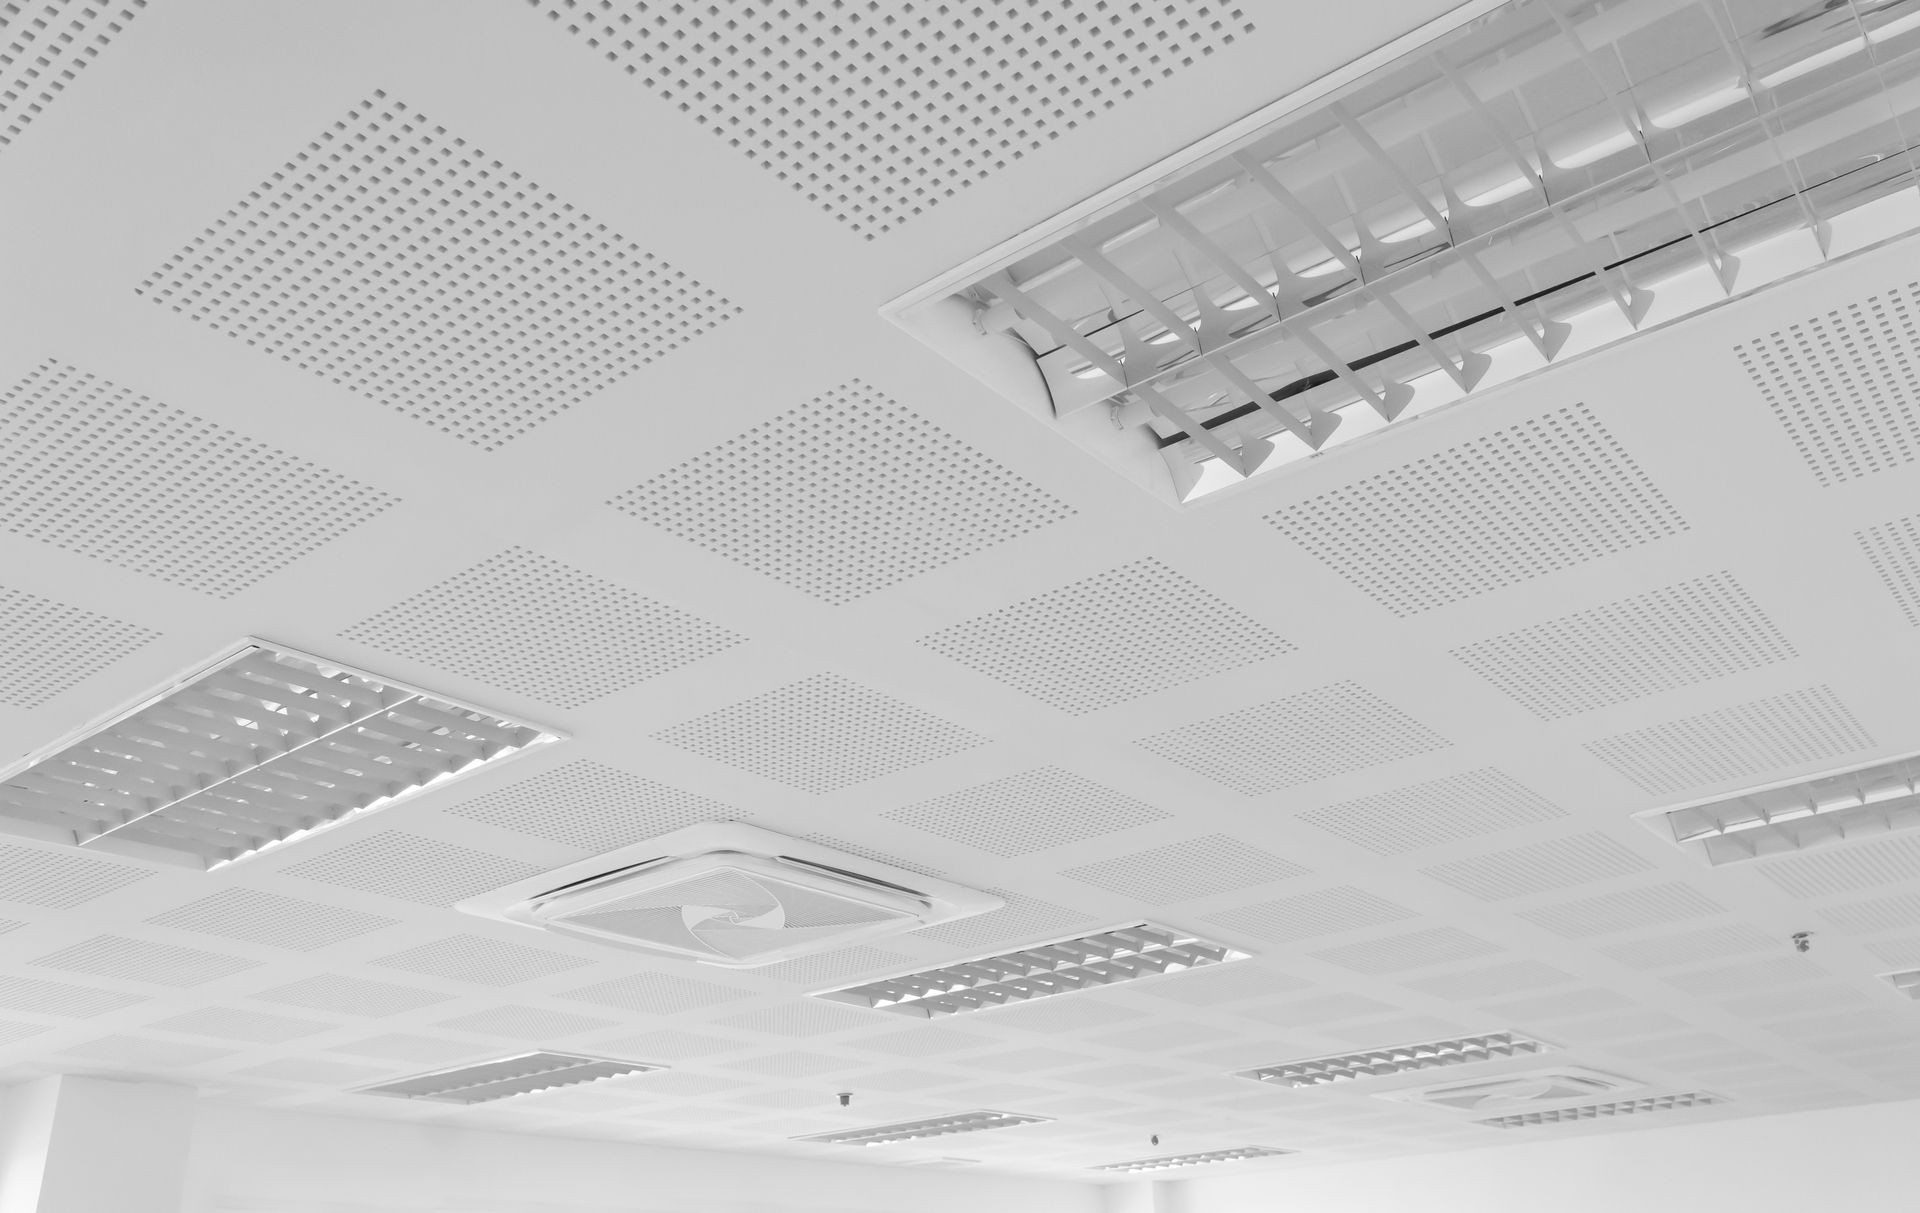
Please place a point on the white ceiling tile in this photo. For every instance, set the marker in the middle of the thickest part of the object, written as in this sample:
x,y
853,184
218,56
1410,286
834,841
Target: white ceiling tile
x,y
124,959
1846,869
1182,871
1413,950
592,806
1452,809
1654,905
1742,741
1558,863
351,995
1033,811
60,880
411,867
254,916
480,960
49,647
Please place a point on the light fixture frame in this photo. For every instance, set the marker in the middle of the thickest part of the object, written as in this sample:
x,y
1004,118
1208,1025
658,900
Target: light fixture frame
x,y
1332,1068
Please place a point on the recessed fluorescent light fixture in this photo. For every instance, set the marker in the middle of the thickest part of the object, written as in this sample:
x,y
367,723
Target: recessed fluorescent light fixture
x,y
1797,815
262,746
1603,1111
1083,962
1171,1161
1504,188
1400,1059
920,1130
1907,983
522,1074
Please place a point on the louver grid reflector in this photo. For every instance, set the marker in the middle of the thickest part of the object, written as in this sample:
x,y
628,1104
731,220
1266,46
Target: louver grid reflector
x,y
1907,983
1797,816
1084,962
1170,1161
509,1076
1602,1111
918,1130
264,745
1398,1060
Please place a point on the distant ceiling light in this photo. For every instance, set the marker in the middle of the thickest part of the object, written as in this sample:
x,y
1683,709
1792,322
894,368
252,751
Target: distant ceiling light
x,y
1399,1059
1797,815
1907,983
263,746
1083,962
920,1130
1526,177
522,1074
1172,1161
1603,1111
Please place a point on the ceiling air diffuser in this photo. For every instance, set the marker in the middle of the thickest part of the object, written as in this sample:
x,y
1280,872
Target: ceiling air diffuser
x,y
730,895
1516,1091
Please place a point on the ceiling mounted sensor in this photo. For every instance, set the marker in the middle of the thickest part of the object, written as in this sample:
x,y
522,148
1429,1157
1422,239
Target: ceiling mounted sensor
x,y
1504,188
1082,962
730,895
1604,1111
1173,1161
261,746
522,1074
1399,1059
921,1130
1515,1091
1797,815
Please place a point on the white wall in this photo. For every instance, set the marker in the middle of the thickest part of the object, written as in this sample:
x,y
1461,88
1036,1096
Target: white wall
x,y
248,1160
1855,1160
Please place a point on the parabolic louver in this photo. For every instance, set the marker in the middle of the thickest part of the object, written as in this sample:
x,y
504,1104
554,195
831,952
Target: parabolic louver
x,y
522,1074
262,746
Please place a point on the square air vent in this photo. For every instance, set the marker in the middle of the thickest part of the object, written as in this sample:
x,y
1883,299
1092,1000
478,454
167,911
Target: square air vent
x,y
1798,815
1084,962
522,1074
729,895
1399,1059
1514,1091
263,745
920,1130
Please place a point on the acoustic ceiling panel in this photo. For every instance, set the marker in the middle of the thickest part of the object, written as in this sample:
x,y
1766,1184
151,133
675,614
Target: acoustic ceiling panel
x,y
1630,909
410,867
1875,913
269,918
1451,809
1021,918
1181,871
351,995
516,1022
1297,739
1308,915
49,647
61,998
1893,549
474,958
878,113
1846,869
233,1023
1414,950
592,806
468,298
1540,867
533,625
1109,638
657,993
1473,985
1692,947
151,488
123,959
1743,741
1032,811
44,45
1552,492
1675,636
59,880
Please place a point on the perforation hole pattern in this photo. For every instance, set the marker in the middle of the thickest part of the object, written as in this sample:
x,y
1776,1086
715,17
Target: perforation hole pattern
x,y
60,881
876,112
1416,949
1469,805
352,995
1542,867
1893,549
413,868
403,264
1116,636
124,959
1020,919
472,958
1306,915
1031,811
821,734
44,44
531,624
592,806
1313,735
847,494
1675,636
47,647
97,469
1626,910
1845,869
1843,385
1550,493
1743,741
268,918
1198,867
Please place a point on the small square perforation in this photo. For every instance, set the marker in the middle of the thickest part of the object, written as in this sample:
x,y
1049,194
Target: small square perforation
x,y
1557,863
47,647
1671,637
59,880
592,806
1552,492
533,625
1630,909
124,959
1744,741
1032,811
1845,869
413,868
268,918
473,958
1414,950
1306,915
398,261
1020,919
94,468
44,46
877,112
1198,867
1469,805
845,495
1893,549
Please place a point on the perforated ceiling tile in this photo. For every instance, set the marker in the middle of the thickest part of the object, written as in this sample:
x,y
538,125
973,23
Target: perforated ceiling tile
x,y
797,1019
232,1023
1225,983
1020,919
126,959
1315,734
1875,914
1437,945
12,1030
47,647
1567,1004
1491,982
60,880
409,867
1032,811
592,806
526,1023
1799,1000
668,1044
1744,741
1843,385
923,1042
483,961
1469,805
1306,915
91,467
1621,1027
843,496
268,918
1676,636
835,966
533,625
1627,910
155,1054
1541,867
351,995
402,263
792,1065
1747,975
657,993
1845,869
44,45
1198,867
1692,947
1552,492
60,998
878,112
821,734
1320,1009
1125,633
